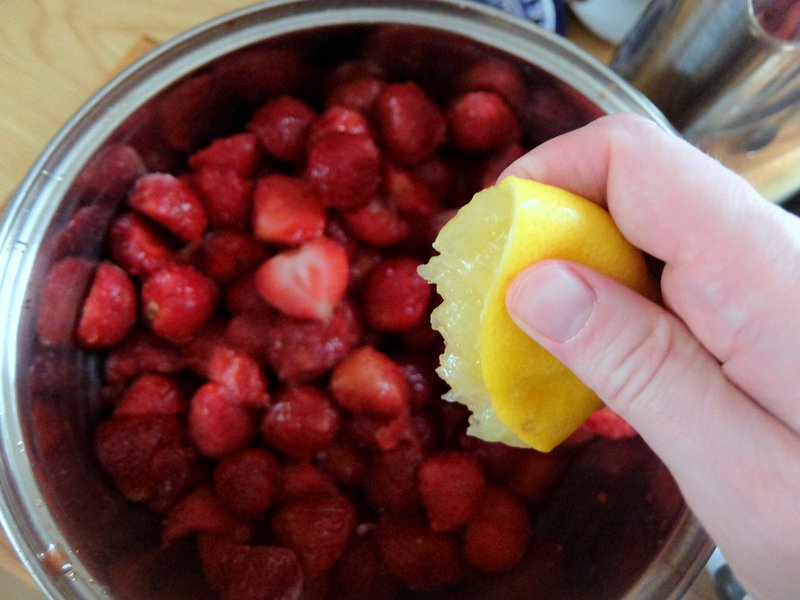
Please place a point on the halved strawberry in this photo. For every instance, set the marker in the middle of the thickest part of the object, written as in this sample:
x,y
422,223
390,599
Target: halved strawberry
x,y
305,282
169,201
286,210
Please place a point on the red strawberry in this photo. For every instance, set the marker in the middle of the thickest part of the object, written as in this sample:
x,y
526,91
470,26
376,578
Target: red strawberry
x,y
138,246
226,196
305,282
606,423
248,572
498,76
109,311
240,152
170,202
242,297
377,223
409,195
395,296
422,559
439,176
354,69
481,121
110,172
391,479
282,127
151,394
345,169
127,446
241,375
344,462
451,485
339,119
317,528
411,125
497,535
496,163
301,422
200,511
301,479
245,74
424,386
60,299
286,210
245,482
190,112
369,382
177,301
359,93
228,255
360,574
140,352
535,475
498,460
218,426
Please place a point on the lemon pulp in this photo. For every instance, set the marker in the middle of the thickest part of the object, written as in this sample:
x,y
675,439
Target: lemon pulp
x,y
518,392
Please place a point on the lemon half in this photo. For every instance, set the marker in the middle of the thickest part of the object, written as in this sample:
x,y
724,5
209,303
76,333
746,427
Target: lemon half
x,y
518,393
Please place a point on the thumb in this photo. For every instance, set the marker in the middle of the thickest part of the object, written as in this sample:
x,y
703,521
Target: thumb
x,y
636,356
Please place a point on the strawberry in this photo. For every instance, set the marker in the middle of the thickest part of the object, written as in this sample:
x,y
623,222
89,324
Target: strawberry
x,y
226,196
177,301
200,511
238,571
300,480
535,476
317,528
498,76
241,375
61,296
218,426
127,447
139,247
497,535
496,163
110,172
451,484
422,559
239,152
358,93
301,422
227,255
409,195
606,423
367,381
306,282
151,394
498,460
286,210
377,223
391,479
411,126
395,296
339,119
190,112
244,72
344,463
142,351
170,202
282,127
344,168
109,310
241,297
245,482
360,574
481,121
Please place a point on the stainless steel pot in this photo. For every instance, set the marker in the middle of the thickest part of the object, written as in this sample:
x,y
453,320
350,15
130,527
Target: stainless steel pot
x,y
77,536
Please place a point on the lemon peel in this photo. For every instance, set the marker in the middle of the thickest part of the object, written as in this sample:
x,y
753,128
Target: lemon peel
x,y
518,393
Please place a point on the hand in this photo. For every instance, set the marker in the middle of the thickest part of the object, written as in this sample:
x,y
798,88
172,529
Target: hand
x,y
712,379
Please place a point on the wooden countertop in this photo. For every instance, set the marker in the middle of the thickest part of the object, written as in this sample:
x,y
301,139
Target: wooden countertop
x,y
53,55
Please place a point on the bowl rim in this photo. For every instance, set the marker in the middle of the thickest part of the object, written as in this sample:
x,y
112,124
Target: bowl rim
x,y
32,208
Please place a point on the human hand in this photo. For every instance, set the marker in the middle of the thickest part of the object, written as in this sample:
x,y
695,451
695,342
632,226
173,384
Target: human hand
x,y
712,379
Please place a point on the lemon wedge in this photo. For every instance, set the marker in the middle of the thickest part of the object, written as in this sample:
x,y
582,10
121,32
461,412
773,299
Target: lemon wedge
x,y
518,393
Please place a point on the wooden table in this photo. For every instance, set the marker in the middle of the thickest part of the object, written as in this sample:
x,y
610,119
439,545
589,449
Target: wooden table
x,y
53,55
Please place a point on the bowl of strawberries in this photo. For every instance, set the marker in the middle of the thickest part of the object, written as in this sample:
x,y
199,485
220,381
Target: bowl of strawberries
x,y
218,370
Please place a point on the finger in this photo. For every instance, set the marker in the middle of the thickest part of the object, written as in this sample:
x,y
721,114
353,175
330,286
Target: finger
x,y
732,259
729,456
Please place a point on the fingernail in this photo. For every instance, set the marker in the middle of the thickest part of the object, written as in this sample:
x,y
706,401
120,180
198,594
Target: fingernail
x,y
551,301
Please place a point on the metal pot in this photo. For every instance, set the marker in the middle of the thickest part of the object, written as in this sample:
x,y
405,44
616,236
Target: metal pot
x,y
77,536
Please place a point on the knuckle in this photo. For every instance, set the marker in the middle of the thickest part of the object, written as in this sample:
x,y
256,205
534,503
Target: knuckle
x,y
639,366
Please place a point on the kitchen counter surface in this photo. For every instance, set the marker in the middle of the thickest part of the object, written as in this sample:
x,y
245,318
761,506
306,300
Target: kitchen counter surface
x,y
54,54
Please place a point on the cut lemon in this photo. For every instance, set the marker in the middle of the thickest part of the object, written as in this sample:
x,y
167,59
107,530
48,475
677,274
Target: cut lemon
x,y
518,392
